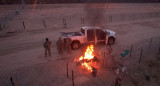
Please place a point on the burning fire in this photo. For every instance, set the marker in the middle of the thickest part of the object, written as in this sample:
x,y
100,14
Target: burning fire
x,y
87,60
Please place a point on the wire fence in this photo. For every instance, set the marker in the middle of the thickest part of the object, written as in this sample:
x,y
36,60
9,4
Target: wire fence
x,y
9,16
72,21
145,46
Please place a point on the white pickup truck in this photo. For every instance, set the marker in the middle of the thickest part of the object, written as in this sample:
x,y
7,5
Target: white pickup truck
x,y
88,34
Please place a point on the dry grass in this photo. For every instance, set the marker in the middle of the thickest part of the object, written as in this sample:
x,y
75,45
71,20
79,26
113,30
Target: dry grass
x,y
135,80
158,58
147,73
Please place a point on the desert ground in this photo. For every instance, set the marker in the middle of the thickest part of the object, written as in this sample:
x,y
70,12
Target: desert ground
x,y
22,37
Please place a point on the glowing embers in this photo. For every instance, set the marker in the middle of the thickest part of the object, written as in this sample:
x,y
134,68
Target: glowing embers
x,y
88,61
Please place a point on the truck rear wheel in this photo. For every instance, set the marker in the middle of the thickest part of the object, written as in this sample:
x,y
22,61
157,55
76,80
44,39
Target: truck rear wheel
x,y
111,40
75,45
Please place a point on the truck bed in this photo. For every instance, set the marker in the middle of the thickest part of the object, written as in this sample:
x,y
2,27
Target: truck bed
x,y
64,34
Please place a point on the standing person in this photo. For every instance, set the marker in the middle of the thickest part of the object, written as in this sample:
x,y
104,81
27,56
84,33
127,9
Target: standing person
x,y
47,46
60,45
68,44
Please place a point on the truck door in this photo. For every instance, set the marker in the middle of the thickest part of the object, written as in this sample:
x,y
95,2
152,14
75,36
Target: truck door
x,y
100,34
90,35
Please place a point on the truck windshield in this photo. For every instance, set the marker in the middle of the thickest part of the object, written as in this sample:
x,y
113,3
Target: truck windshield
x,y
82,31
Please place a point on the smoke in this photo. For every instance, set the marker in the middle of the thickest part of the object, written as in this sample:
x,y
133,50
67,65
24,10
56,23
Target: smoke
x,y
95,13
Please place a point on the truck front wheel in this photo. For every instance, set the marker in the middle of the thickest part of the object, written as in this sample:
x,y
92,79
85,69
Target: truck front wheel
x,y
75,45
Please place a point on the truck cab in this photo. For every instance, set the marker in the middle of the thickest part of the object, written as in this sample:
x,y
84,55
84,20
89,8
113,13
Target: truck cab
x,y
88,35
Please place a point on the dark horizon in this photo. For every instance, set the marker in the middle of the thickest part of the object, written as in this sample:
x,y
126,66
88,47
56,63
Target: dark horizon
x,y
76,1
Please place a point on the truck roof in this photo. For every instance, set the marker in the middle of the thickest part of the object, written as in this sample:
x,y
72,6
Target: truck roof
x,y
90,27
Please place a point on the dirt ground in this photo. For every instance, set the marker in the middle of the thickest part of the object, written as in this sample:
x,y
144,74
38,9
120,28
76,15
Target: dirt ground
x,y
22,53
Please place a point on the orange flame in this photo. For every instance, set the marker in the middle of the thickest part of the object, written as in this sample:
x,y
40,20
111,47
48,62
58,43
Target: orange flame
x,y
87,57
88,54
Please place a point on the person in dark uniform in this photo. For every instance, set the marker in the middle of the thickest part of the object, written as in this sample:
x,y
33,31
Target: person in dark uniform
x,y
60,45
68,44
47,46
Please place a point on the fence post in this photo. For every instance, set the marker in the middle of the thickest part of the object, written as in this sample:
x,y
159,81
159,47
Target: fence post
x,y
12,81
23,25
72,78
103,58
82,21
97,19
6,18
150,43
122,17
156,14
150,15
110,18
142,15
140,56
4,26
159,51
133,16
64,22
131,51
67,69
0,27
44,23
10,17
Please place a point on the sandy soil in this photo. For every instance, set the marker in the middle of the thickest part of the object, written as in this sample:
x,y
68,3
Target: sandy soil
x,y
22,52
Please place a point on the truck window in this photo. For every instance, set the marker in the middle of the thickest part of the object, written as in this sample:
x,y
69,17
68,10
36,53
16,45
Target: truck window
x,y
90,35
83,31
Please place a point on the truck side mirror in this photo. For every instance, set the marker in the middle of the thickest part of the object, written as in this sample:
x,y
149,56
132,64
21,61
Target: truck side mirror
x,y
108,33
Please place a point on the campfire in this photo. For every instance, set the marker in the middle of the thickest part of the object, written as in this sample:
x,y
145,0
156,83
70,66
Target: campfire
x,y
88,61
